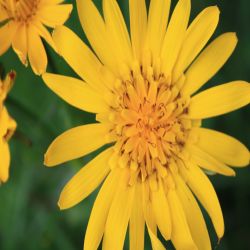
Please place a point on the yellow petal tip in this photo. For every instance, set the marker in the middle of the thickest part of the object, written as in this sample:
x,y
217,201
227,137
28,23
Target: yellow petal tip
x,y
4,179
220,233
46,160
39,72
233,174
234,36
44,77
59,205
215,8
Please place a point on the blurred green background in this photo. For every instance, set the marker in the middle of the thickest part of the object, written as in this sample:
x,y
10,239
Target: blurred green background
x,y
29,216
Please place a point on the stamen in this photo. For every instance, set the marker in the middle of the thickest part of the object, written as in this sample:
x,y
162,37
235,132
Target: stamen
x,y
20,10
150,122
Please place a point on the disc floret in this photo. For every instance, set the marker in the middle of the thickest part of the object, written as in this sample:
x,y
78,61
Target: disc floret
x,y
22,10
150,121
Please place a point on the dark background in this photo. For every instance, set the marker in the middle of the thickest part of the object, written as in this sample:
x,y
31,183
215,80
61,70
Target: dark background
x,y
29,216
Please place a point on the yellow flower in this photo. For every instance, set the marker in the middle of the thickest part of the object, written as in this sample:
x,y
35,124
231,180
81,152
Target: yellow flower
x,y
142,88
23,27
7,127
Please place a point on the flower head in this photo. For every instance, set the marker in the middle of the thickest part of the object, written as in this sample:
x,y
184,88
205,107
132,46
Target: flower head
x,y
22,25
7,127
142,88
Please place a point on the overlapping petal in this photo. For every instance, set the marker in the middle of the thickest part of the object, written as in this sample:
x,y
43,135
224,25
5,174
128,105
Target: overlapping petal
x,y
7,33
117,31
209,62
80,58
36,53
163,219
100,211
137,221
223,147
76,143
220,100
85,181
157,24
55,15
194,216
5,161
76,92
181,235
138,26
196,37
119,214
202,188
95,30
175,35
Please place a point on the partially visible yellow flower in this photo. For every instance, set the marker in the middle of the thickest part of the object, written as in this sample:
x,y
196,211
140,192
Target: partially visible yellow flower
x,y
23,25
142,88
7,127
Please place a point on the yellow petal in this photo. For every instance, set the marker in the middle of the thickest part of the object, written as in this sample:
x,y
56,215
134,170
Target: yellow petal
x,y
3,15
99,213
196,37
44,33
75,92
194,216
5,161
76,143
95,30
220,100
137,222
209,62
148,208
117,31
85,181
161,211
11,128
51,2
156,243
78,56
55,15
4,118
223,147
7,33
36,52
138,26
119,214
7,125
181,236
150,218
7,84
208,162
157,24
20,43
204,191
175,35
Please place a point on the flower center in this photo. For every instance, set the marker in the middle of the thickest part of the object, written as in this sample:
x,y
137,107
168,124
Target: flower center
x,y
150,122
20,10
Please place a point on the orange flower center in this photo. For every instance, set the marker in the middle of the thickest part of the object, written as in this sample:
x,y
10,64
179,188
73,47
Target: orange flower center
x,y
150,121
20,10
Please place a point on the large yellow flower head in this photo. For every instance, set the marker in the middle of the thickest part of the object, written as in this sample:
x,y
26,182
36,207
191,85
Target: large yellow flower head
x,y
142,88
7,127
22,27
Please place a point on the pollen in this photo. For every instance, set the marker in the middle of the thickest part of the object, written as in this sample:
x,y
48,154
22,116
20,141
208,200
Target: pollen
x,y
150,121
21,10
